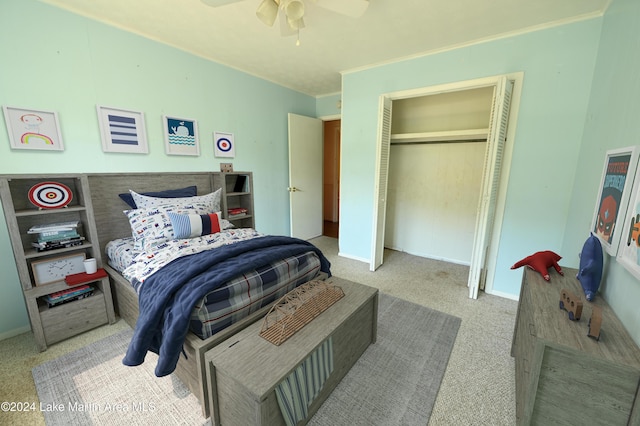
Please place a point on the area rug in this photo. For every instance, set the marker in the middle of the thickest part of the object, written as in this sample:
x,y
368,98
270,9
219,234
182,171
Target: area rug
x,y
395,382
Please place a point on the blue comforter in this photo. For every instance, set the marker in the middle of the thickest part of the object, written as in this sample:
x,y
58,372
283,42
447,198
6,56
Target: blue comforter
x,y
167,297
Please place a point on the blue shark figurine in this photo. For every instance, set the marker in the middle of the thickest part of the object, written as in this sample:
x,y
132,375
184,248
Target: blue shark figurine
x,y
590,272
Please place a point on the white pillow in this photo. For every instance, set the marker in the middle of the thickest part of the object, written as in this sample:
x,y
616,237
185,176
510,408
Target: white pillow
x,y
146,202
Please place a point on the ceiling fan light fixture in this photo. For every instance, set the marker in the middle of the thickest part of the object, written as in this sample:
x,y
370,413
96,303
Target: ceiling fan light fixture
x,y
267,12
294,9
296,24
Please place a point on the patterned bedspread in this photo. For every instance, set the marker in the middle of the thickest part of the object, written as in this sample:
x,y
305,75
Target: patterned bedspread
x,y
237,298
147,263
167,294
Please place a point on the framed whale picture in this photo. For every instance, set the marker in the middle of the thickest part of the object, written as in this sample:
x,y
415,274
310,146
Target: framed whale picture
x,y
180,136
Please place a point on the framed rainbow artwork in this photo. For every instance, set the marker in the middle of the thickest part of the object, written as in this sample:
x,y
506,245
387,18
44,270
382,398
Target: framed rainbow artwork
x,y
33,129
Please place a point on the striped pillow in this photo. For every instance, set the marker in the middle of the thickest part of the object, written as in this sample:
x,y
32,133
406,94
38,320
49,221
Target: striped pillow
x,y
195,225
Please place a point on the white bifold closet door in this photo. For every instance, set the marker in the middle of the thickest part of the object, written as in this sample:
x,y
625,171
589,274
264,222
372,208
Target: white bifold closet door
x,y
382,172
490,182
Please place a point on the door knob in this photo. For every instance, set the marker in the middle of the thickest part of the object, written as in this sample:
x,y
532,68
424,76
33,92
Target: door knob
x,y
292,189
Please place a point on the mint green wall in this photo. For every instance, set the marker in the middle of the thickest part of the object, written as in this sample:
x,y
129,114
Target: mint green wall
x,y
558,66
327,105
613,121
58,61
67,63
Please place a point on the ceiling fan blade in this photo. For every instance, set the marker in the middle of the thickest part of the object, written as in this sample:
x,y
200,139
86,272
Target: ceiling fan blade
x,y
353,8
216,3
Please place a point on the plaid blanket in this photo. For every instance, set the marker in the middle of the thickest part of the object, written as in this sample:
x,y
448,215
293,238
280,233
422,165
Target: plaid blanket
x,y
169,295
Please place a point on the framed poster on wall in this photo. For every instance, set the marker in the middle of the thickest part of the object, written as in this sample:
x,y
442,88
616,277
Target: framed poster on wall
x,y
224,145
33,129
615,186
122,130
629,248
180,136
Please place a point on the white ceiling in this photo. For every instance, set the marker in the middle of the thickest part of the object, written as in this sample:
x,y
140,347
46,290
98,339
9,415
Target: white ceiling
x,y
331,43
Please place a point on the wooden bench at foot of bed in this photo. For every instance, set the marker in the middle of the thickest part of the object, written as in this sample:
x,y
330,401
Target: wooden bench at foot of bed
x,y
243,371
190,369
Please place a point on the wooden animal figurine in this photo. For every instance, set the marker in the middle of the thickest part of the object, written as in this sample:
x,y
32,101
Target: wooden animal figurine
x,y
541,262
590,272
571,303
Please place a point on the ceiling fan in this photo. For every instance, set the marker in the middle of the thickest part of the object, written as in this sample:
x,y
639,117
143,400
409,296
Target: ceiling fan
x,y
292,11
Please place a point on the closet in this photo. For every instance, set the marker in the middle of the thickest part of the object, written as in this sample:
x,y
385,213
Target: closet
x,y
436,162
442,164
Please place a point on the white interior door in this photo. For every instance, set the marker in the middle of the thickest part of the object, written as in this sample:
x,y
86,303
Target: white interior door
x,y
490,182
382,172
305,176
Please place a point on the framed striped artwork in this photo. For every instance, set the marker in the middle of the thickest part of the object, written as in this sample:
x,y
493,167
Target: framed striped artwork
x,y
122,130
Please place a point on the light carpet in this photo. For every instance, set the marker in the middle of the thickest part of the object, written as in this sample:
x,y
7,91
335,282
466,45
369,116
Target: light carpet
x,y
395,382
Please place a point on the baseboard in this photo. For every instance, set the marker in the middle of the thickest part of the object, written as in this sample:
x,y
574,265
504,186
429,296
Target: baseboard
x,y
428,256
443,259
502,294
348,256
14,332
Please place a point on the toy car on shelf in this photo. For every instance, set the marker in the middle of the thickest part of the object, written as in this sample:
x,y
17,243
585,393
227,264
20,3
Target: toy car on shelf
x,y
571,303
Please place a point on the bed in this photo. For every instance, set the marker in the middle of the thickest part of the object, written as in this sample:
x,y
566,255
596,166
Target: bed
x,y
212,317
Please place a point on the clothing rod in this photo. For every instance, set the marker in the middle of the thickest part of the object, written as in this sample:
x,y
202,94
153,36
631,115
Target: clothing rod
x,y
438,142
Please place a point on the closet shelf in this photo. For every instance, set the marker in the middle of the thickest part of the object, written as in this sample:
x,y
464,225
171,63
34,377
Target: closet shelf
x,y
450,135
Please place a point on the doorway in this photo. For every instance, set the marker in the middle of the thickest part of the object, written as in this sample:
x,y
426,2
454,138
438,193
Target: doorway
x,y
314,176
331,178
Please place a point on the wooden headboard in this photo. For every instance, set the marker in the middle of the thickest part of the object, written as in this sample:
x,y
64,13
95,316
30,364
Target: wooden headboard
x,y
108,207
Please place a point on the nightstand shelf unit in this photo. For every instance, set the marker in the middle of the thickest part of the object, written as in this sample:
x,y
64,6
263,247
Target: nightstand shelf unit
x,y
51,325
237,193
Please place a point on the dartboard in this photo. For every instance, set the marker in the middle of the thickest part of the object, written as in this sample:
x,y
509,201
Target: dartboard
x,y
50,195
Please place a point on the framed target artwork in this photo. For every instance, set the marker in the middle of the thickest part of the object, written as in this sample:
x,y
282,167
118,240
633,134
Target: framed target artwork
x,y
33,129
224,145
50,195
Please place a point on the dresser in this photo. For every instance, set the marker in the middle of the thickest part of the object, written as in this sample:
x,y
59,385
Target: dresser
x,y
563,376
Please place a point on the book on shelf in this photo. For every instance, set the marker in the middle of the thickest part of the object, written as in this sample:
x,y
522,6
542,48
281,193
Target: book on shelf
x,y
237,212
68,295
237,216
57,244
44,237
54,227
56,235
239,185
